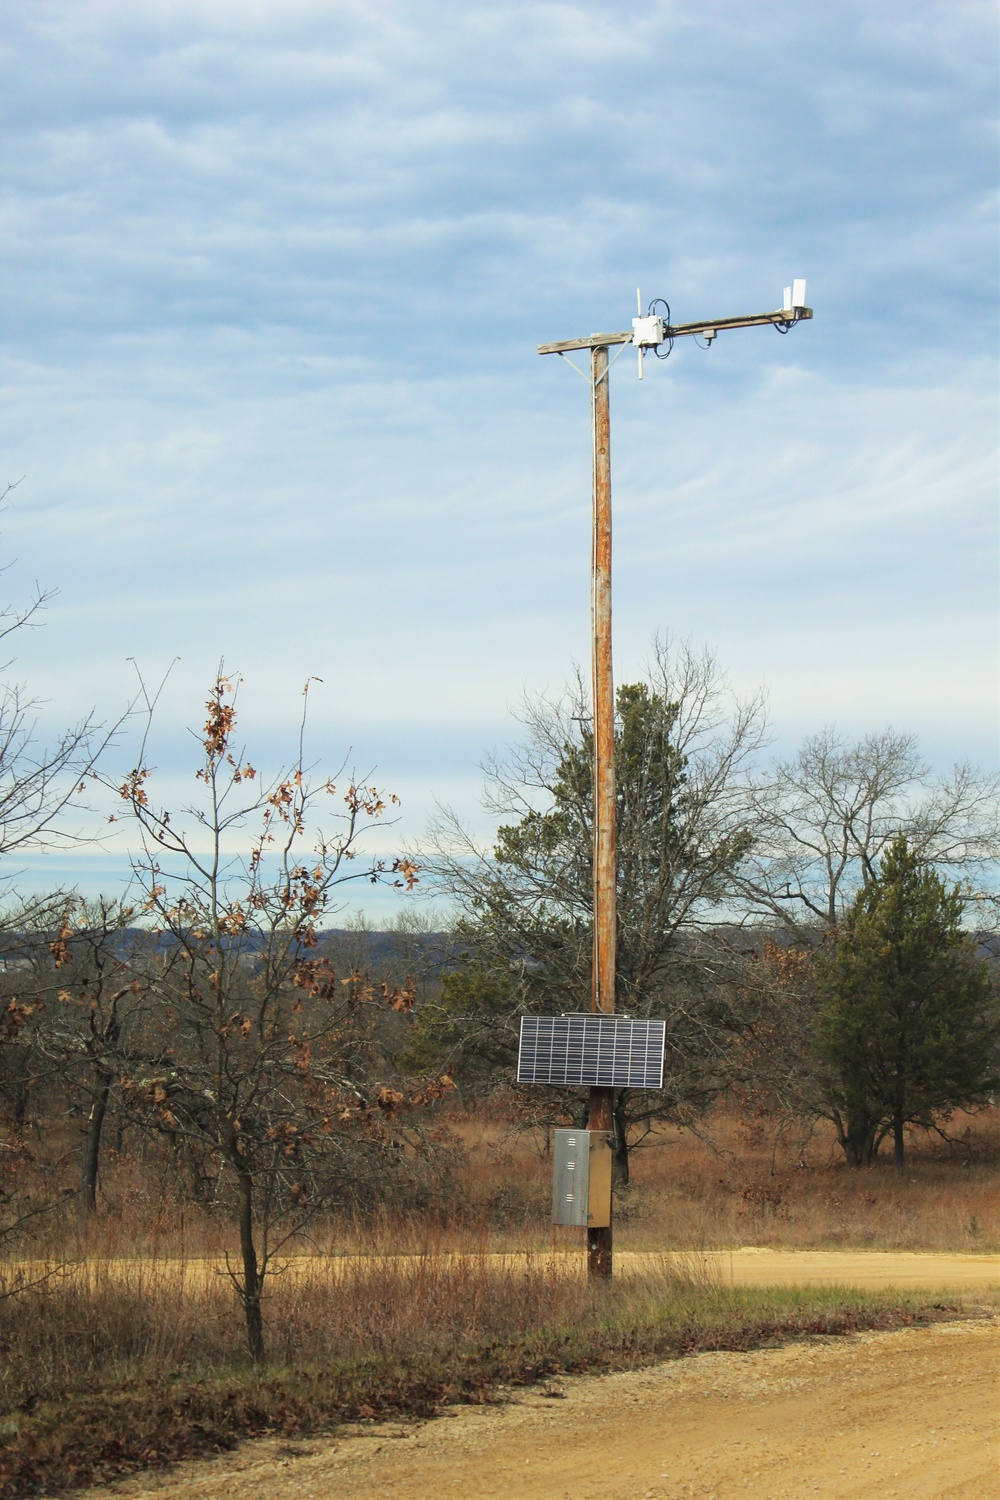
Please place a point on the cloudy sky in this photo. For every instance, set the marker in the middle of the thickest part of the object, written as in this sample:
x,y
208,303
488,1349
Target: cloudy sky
x,y
275,273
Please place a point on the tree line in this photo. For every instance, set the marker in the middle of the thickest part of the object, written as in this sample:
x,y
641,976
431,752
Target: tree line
x,y
813,934
809,934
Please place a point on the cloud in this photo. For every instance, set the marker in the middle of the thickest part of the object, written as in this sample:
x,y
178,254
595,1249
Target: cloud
x,y
275,277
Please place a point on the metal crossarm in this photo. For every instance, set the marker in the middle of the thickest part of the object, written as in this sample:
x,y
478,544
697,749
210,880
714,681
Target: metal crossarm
x,y
680,330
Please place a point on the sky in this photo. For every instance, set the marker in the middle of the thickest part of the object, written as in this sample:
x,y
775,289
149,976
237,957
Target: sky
x,y
274,274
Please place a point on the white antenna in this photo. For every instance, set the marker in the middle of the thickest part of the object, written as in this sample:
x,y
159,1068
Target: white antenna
x,y
647,333
795,296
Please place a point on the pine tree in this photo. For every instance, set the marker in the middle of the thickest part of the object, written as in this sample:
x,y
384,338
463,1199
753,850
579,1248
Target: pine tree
x,y
681,748
909,1028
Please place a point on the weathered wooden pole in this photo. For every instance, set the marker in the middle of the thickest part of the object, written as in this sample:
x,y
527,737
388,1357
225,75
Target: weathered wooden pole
x,y
647,333
599,1241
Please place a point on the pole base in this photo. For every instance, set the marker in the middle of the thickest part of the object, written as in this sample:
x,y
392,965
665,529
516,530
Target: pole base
x,y
599,1253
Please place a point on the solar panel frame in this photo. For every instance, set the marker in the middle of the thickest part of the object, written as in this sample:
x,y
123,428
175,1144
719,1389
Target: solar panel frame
x,y
591,1050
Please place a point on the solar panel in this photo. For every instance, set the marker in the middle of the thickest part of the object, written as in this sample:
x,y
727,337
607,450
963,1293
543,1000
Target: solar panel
x,y
597,1051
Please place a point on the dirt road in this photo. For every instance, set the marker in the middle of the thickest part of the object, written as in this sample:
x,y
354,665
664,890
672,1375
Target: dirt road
x,y
914,1414
872,1270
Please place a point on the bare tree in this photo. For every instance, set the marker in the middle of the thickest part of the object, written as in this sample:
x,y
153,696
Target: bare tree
x,y
822,821
260,1055
40,784
772,1070
40,807
92,980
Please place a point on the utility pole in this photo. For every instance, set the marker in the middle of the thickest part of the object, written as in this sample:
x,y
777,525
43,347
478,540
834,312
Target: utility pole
x,y
602,691
651,332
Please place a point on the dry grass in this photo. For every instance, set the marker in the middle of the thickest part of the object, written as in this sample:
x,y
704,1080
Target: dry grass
x,y
128,1321
121,1361
723,1188
729,1187
132,1366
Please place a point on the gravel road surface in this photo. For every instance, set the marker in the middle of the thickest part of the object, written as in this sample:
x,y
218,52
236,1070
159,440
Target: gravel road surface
x,y
911,1415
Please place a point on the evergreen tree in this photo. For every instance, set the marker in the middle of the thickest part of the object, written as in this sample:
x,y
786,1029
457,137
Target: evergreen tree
x,y
909,1027
681,745
470,1027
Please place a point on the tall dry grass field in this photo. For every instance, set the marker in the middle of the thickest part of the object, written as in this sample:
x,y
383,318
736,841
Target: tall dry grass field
x,y
128,1363
130,1348
724,1186
730,1185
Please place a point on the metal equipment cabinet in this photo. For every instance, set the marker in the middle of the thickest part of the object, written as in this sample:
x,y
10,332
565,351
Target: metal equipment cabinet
x,y
581,1178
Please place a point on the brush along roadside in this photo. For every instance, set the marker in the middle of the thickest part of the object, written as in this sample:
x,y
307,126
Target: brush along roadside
x,y
122,1370
744,1265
